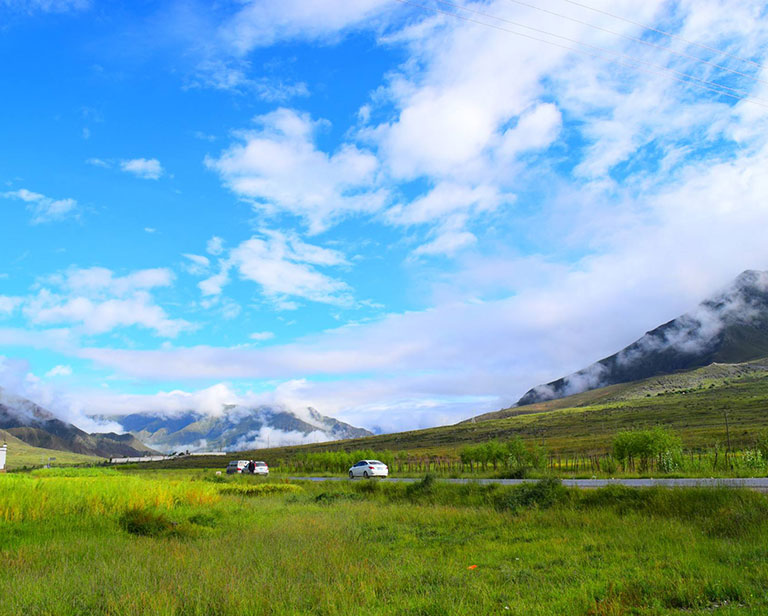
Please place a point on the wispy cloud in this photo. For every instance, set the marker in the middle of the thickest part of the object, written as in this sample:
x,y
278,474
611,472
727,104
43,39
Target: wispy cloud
x,y
145,168
44,209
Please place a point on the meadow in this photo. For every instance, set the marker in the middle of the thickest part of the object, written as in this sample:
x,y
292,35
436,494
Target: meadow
x,y
102,541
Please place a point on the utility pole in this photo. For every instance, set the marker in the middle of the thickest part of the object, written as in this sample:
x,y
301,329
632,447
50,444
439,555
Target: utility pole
x,y
728,436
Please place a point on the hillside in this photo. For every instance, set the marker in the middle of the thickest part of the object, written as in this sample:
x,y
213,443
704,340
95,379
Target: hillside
x,y
40,428
690,403
730,327
21,455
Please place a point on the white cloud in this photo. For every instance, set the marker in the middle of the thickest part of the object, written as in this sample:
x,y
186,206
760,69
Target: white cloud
x,y
18,381
215,246
9,304
234,75
447,242
197,265
44,209
99,301
285,267
99,162
278,168
261,23
59,370
261,336
145,168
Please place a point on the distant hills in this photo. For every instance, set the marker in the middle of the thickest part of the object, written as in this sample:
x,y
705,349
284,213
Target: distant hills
x,y
235,428
40,428
730,327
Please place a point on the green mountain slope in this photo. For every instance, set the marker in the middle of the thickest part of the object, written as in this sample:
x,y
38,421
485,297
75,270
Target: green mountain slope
x,y
21,455
729,327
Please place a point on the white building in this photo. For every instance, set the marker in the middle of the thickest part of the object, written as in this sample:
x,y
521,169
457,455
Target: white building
x,y
3,451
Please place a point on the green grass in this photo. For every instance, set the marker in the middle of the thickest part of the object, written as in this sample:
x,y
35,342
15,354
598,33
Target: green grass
x,y
129,544
21,455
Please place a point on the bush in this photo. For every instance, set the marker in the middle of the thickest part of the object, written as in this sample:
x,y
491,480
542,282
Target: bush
x,y
421,488
147,523
543,494
609,465
644,445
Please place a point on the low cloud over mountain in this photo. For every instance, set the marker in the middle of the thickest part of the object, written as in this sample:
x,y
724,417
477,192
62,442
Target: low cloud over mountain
x,y
235,428
730,327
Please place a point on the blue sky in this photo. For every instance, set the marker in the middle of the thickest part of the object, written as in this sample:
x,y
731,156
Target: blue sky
x,y
399,217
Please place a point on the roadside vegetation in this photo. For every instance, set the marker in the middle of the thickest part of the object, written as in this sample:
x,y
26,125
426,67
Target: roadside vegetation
x,y
194,543
653,452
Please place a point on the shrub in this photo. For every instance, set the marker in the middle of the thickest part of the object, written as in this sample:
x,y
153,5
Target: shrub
x,y
609,465
421,488
644,445
753,459
543,493
145,522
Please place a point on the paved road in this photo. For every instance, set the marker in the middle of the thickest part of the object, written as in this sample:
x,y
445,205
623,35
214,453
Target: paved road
x,y
755,483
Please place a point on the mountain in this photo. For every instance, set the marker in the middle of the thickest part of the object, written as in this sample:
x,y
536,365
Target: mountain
x,y
38,427
236,428
730,327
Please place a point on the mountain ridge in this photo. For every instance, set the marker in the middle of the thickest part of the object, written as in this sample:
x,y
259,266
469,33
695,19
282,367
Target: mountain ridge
x,y
730,327
236,426
40,428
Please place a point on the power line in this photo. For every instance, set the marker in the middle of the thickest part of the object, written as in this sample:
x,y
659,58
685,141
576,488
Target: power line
x,y
635,39
581,51
600,49
662,32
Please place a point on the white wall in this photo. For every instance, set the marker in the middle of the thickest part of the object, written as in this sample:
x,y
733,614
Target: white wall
x,y
3,449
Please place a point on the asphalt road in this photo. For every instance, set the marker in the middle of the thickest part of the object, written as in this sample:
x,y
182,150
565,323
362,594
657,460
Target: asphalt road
x,y
754,483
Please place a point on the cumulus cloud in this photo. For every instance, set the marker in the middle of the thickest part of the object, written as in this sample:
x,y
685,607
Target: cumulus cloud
x,y
98,301
60,370
145,168
278,168
44,209
285,267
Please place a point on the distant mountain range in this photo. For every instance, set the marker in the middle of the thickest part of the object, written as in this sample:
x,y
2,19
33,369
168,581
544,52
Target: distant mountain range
x,y
38,427
235,428
730,327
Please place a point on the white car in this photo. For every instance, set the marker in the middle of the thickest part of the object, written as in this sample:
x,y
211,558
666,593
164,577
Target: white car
x,y
237,466
261,468
368,468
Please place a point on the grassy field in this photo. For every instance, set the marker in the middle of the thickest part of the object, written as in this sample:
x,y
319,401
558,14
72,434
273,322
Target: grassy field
x,y
21,455
190,543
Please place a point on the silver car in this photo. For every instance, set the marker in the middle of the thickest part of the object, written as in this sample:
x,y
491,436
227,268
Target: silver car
x,y
368,469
